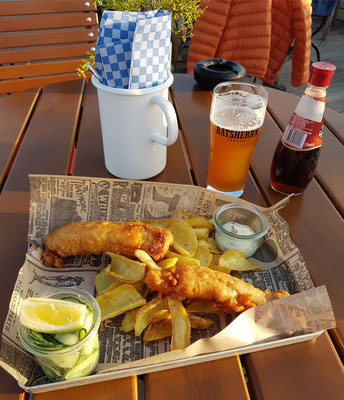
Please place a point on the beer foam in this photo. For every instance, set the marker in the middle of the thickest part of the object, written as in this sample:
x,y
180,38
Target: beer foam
x,y
238,110
238,118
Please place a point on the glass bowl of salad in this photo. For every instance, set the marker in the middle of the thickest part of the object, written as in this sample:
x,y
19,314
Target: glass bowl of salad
x,y
65,355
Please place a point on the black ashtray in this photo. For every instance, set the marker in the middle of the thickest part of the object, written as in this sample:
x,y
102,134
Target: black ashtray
x,y
208,73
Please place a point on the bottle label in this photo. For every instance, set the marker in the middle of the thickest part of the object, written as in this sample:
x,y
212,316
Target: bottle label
x,y
304,131
311,108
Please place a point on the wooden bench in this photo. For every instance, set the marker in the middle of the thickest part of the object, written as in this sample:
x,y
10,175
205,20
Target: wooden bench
x,y
43,42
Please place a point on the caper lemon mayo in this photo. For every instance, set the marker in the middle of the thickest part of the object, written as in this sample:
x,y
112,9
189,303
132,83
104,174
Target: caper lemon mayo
x,y
248,247
239,227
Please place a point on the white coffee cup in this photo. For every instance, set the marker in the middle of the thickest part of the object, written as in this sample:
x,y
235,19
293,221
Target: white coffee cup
x,y
137,125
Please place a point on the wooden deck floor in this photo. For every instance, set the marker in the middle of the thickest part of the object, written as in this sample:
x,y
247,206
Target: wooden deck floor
x,y
332,51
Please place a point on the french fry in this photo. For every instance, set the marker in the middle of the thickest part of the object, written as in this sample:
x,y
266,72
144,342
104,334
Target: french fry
x,y
182,260
204,256
199,222
168,263
198,322
181,213
202,308
145,314
201,233
236,260
128,321
124,269
158,331
140,286
102,281
160,315
185,240
209,244
181,326
114,285
146,259
119,300
215,259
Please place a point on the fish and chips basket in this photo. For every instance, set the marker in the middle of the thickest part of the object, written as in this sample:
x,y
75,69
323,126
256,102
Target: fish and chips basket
x,y
58,200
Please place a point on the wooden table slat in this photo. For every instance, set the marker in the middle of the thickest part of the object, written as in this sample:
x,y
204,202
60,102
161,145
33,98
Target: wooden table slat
x,y
299,221
334,122
45,148
15,110
305,211
319,374
209,380
305,370
124,389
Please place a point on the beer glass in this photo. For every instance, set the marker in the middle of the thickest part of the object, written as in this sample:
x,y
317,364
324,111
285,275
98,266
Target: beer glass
x,y
236,118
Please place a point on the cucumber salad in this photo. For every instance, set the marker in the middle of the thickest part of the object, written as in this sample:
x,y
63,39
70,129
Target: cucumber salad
x,y
62,334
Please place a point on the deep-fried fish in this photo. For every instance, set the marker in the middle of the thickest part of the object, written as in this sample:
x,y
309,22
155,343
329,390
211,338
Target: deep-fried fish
x,y
195,282
99,236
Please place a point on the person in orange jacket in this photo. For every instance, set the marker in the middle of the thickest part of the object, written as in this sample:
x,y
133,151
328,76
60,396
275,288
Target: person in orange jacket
x,y
257,34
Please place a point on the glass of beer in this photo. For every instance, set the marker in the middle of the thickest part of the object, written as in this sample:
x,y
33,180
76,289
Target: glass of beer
x,y
236,118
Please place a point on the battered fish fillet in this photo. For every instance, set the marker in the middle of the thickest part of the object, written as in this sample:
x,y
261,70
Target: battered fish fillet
x,y
99,236
195,282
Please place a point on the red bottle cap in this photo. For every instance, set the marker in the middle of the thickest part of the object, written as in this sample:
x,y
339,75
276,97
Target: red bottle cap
x,y
321,74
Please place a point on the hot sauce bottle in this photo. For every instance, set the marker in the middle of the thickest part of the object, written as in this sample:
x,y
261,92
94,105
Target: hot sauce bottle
x,y
297,153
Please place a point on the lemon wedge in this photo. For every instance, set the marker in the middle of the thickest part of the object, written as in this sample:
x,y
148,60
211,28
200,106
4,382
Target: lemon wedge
x,y
49,315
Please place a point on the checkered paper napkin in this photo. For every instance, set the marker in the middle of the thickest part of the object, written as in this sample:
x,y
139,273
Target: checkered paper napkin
x,y
133,48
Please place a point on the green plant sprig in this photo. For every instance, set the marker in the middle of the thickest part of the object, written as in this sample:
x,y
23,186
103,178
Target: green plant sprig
x,y
83,68
184,12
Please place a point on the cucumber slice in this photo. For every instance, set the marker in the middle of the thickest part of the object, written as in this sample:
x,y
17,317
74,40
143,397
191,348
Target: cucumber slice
x,y
85,367
66,361
88,320
68,338
71,338
73,300
90,347
52,372
45,341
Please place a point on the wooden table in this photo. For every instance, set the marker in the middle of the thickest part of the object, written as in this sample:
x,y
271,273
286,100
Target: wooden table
x,y
38,132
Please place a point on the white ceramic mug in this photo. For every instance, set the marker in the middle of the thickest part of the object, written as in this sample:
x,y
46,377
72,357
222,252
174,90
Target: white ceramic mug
x,y
137,125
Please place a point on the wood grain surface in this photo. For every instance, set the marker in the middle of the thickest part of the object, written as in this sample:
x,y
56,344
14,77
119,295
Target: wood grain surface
x,y
16,110
64,118
211,380
46,147
124,389
305,215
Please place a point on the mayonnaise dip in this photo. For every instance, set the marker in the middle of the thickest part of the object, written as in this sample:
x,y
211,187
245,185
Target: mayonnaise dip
x,y
226,242
238,229
246,235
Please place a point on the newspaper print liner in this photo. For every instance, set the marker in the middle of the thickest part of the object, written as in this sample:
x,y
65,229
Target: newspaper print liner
x,y
57,200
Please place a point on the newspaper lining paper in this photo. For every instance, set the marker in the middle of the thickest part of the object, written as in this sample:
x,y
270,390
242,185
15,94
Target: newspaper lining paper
x,y
57,200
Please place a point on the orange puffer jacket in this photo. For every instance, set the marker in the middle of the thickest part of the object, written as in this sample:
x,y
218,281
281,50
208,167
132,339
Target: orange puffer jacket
x,y
257,34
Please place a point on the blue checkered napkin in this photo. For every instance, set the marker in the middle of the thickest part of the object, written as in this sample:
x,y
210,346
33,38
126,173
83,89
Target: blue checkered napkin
x,y
117,34
150,52
113,52
115,60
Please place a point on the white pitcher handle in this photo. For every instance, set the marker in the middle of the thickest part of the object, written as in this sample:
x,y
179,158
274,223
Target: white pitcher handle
x,y
171,118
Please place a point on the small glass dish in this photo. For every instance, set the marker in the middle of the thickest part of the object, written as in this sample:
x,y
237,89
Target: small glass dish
x,y
73,361
242,214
